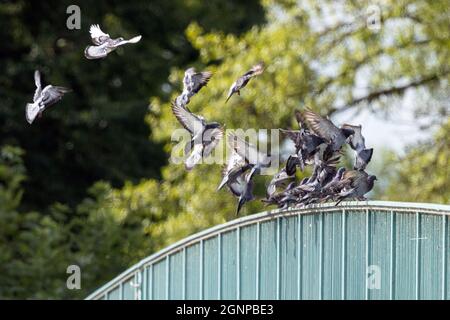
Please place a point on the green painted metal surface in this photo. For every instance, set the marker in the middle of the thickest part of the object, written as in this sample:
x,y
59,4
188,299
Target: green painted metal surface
x,y
358,250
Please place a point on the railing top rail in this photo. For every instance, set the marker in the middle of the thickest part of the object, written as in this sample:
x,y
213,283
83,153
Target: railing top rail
x,y
269,215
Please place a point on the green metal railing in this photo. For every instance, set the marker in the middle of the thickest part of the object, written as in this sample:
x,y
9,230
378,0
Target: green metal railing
x,y
357,250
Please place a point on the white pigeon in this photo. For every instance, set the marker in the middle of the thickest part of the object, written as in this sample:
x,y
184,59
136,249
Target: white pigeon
x,y
103,44
43,98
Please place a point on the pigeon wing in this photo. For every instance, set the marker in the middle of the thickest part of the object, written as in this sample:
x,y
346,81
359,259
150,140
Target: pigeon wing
x,y
52,94
211,139
199,80
188,120
321,126
97,35
37,81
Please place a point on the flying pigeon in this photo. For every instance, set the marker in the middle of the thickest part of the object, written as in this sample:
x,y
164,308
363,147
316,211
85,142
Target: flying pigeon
x,y
236,166
43,98
192,83
242,187
250,153
357,143
278,180
103,44
234,176
204,136
244,79
354,184
325,129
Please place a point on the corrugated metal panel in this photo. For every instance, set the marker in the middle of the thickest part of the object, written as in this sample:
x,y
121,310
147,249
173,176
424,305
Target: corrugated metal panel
x,y
373,250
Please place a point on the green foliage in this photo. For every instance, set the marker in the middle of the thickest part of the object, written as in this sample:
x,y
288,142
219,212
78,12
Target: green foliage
x,y
316,67
422,175
99,133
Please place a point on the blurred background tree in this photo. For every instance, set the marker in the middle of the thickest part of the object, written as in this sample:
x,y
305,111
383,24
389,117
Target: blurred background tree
x,y
325,55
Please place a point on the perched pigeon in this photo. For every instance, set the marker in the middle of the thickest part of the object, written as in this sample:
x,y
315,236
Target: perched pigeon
x,y
354,184
250,153
43,98
205,136
325,129
244,79
103,44
332,187
357,143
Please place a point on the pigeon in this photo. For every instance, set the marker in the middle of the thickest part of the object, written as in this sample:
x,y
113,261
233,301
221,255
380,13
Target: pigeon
x,y
204,136
236,165
357,143
250,153
277,180
354,184
43,98
192,83
331,188
306,146
325,129
103,44
244,79
242,187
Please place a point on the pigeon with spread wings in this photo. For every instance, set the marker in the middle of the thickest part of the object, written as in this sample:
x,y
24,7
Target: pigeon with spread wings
x,y
103,44
244,79
204,136
43,98
193,81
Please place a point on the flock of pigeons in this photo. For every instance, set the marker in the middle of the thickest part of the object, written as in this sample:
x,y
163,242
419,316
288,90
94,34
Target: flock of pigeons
x,y
318,142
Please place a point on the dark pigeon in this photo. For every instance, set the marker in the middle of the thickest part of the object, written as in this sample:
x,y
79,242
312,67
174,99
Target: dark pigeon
x,y
240,83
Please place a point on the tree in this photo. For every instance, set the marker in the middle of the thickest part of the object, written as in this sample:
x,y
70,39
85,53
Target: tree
x,y
422,175
340,66
98,131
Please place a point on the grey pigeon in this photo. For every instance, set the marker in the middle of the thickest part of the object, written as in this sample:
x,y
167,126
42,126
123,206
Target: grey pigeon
x,y
357,143
278,180
205,136
332,187
241,187
236,166
244,79
103,44
354,184
250,153
43,98
192,83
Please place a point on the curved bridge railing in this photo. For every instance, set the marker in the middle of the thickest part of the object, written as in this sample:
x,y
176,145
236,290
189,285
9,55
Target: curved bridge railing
x,y
357,250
